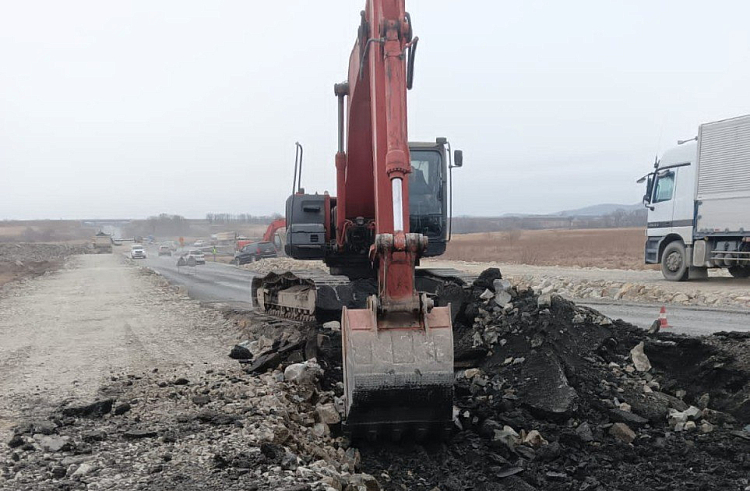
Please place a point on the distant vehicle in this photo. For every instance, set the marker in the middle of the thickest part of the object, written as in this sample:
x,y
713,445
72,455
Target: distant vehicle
x,y
226,238
199,243
255,251
698,200
137,252
197,255
102,243
165,250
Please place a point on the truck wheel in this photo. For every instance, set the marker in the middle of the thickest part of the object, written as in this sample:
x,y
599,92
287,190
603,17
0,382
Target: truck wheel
x,y
740,271
674,265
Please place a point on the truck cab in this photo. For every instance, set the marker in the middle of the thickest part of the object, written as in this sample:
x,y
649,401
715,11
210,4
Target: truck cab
x,y
670,201
698,201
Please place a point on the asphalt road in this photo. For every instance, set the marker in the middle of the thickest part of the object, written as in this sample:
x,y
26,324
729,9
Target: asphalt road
x,y
694,321
227,284
210,282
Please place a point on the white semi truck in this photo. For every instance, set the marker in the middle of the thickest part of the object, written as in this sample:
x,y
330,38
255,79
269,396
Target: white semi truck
x,y
698,200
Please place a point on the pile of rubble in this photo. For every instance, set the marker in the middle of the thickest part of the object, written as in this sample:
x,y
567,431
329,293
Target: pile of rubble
x,y
225,430
33,252
553,396
280,264
548,396
32,259
634,292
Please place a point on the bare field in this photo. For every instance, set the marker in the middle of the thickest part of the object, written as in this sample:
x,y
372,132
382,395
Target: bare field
x,y
43,231
619,248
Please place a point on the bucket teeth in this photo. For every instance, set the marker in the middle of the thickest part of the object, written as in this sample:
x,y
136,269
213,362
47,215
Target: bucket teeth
x,y
398,376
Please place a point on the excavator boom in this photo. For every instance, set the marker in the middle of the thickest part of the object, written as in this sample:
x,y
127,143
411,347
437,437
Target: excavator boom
x,y
398,352
397,344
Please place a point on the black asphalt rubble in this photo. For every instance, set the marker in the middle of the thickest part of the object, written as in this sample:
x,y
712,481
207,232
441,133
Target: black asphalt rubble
x,y
548,396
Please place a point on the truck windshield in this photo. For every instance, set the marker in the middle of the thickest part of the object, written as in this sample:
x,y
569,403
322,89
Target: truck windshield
x,y
664,187
424,183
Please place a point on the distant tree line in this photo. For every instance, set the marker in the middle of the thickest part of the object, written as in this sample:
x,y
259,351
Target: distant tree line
x,y
160,225
616,219
246,218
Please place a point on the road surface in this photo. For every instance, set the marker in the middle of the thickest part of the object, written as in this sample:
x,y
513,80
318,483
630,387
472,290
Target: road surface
x,y
224,283
695,321
211,282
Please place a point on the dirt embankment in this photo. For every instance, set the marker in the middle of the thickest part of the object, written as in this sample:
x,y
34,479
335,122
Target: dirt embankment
x,y
18,260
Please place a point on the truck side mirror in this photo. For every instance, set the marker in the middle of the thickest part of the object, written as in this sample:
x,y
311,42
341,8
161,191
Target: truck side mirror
x,y
458,158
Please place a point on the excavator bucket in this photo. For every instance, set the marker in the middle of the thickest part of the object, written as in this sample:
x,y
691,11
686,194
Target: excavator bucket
x,y
398,373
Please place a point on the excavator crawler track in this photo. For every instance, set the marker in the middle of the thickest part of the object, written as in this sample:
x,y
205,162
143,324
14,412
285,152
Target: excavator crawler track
x,y
399,378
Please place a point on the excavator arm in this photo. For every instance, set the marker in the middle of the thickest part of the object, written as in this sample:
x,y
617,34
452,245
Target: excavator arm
x,y
398,352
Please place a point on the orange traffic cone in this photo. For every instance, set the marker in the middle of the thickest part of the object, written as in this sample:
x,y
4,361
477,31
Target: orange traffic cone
x,y
663,317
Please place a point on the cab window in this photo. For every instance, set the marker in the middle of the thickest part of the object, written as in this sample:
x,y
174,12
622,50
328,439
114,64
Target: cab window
x,y
664,187
424,183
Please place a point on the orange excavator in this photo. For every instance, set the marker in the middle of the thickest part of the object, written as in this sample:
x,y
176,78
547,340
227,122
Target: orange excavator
x,y
391,209
275,233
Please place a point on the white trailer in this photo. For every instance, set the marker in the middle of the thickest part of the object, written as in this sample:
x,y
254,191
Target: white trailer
x,y
698,200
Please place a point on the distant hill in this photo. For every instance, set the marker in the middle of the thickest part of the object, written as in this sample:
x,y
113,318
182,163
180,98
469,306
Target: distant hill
x,y
598,210
606,215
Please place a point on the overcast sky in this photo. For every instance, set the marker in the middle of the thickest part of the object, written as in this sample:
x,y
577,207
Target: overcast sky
x,y
129,109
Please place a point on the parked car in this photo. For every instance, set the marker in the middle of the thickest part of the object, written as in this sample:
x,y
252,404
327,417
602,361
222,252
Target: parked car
x,y
197,255
253,252
164,250
137,252
199,243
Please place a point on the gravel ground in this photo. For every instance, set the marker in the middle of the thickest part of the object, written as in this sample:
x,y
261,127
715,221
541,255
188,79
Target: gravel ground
x,y
277,264
112,380
647,286
63,333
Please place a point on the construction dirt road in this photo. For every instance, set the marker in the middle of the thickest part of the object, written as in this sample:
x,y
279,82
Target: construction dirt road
x,y
62,335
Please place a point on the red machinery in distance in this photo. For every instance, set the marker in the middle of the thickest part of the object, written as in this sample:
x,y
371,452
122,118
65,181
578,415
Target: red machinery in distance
x,y
275,233
273,229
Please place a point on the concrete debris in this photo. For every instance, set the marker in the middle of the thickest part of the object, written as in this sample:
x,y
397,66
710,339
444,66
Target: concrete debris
x,y
622,432
535,439
54,443
487,294
303,373
83,470
327,413
332,325
640,360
